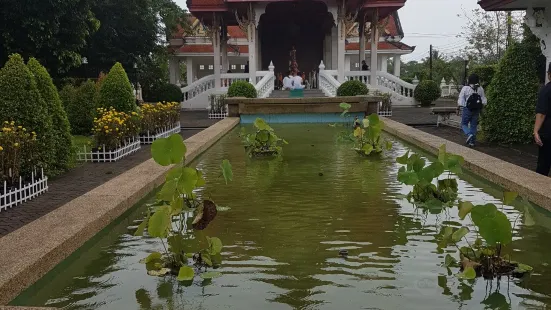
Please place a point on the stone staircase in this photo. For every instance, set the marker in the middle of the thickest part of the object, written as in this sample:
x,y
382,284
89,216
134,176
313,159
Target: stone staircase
x,y
308,93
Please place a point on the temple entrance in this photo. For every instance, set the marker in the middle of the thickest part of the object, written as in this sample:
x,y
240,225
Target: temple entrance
x,y
301,24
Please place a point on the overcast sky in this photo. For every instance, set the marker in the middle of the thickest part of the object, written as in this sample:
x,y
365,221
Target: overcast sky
x,y
427,22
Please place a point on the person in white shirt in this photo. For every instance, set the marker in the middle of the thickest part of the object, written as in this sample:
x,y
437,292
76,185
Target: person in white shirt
x,y
297,81
471,100
287,81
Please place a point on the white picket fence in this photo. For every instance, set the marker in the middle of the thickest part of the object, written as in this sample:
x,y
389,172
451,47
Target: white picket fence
x,y
25,191
88,155
165,132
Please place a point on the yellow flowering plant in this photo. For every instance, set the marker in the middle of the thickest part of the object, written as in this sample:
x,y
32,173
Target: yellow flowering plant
x,y
112,128
18,152
159,115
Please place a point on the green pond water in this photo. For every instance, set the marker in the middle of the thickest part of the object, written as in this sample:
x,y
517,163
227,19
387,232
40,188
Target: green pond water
x,y
283,234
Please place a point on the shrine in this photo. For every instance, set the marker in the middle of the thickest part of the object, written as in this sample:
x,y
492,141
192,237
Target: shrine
x,y
256,41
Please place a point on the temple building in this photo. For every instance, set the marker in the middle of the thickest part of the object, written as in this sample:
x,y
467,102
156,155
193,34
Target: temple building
x,y
255,41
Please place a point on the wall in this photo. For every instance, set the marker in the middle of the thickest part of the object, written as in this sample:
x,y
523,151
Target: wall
x,y
205,61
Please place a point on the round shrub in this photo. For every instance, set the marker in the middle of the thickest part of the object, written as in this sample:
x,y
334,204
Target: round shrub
x,y
61,130
242,89
352,88
116,91
427,92
509,115
20,101
162,92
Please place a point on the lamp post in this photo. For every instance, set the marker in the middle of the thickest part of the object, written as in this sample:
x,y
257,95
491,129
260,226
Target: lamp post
x,y
84,62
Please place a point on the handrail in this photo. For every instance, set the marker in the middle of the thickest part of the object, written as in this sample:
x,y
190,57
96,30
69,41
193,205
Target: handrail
x,y
265,86
328,84
199,81
395,79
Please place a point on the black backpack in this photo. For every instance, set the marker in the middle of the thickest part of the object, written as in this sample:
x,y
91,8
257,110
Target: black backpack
x,y
474,102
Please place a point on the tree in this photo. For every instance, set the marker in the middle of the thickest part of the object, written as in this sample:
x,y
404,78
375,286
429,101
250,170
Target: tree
x,y
20,101
52,31
509,115
450,68
487,34
116,91
61,135
81,107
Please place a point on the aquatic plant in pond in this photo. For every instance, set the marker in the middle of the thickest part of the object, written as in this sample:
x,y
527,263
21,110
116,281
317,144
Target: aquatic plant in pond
x,y
168,217
368,136
485,257
416,173
262,142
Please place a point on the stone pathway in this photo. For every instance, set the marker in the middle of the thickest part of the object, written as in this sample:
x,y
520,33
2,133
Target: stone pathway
x,y
196,119
71,185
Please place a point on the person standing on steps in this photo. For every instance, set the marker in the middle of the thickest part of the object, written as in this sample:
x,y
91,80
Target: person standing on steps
x,y
471,100
365,67
542,128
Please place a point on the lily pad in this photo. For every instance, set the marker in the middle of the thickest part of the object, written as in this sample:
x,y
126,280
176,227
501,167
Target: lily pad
x,y
168,151
469,273
459,234
159,223
493,225
186,273
158,273
449,261
465,208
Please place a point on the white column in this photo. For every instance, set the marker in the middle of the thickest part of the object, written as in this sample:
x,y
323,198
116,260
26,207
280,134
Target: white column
x,y
374,46
384,63
328,45
347,61
224,52
251,36
334,48
174,70
341,49
189,70
258,51
396,65
216,49
540,24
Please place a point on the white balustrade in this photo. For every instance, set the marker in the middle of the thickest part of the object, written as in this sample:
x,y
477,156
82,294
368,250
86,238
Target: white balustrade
x,y
198,87
362,76
265,86
395,84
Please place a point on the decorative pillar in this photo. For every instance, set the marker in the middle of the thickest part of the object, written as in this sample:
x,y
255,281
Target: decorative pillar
x,y
248,25
342,20
396,65
374,46
334,48
384,63
216,48
189,70
328,45
539,22
361,32
174,70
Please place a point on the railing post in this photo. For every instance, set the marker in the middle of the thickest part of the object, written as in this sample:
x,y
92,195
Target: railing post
x,y
321,66
271,66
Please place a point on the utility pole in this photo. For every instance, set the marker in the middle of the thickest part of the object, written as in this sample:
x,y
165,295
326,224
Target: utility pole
x,y
430,63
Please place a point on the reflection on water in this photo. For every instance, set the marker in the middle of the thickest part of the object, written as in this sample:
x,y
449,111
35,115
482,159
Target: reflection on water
x,y
289,219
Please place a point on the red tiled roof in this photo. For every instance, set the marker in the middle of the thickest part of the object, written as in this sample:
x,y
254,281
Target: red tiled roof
x,y
382,46
207,48
236,32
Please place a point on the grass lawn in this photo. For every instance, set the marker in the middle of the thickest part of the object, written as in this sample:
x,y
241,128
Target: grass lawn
x,y
80,141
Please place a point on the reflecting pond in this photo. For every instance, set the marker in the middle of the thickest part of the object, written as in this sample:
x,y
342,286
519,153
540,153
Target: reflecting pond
x,y
288,220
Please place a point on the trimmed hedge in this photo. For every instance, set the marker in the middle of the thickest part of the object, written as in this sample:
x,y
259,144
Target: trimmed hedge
x,y
352,88
242,89
81,108
163,92
427,92
509,115
485,73
61,130
116,91
20,101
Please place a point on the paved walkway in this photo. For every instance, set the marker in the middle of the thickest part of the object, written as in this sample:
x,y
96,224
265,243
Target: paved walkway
x,y
196,119
71,185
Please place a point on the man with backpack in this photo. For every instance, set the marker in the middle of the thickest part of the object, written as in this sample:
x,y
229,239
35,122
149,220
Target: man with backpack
x,y
542,128
471,101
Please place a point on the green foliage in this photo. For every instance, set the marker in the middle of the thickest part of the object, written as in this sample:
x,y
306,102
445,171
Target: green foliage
x,y
262,142
174,200
509,115
492,224
368,136
80,104
427,92
416,173
20,101
116,91
61,131
242,89
485,73
160,92
352,88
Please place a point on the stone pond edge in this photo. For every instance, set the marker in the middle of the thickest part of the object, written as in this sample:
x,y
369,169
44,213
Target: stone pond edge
x,y
529,184
31,251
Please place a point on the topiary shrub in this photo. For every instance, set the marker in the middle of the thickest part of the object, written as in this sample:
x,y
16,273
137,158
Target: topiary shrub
x,y
116,91
82,108
485,73
352,88
163,92
20,101
427,92
61,130
67,95
242,89
509,115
